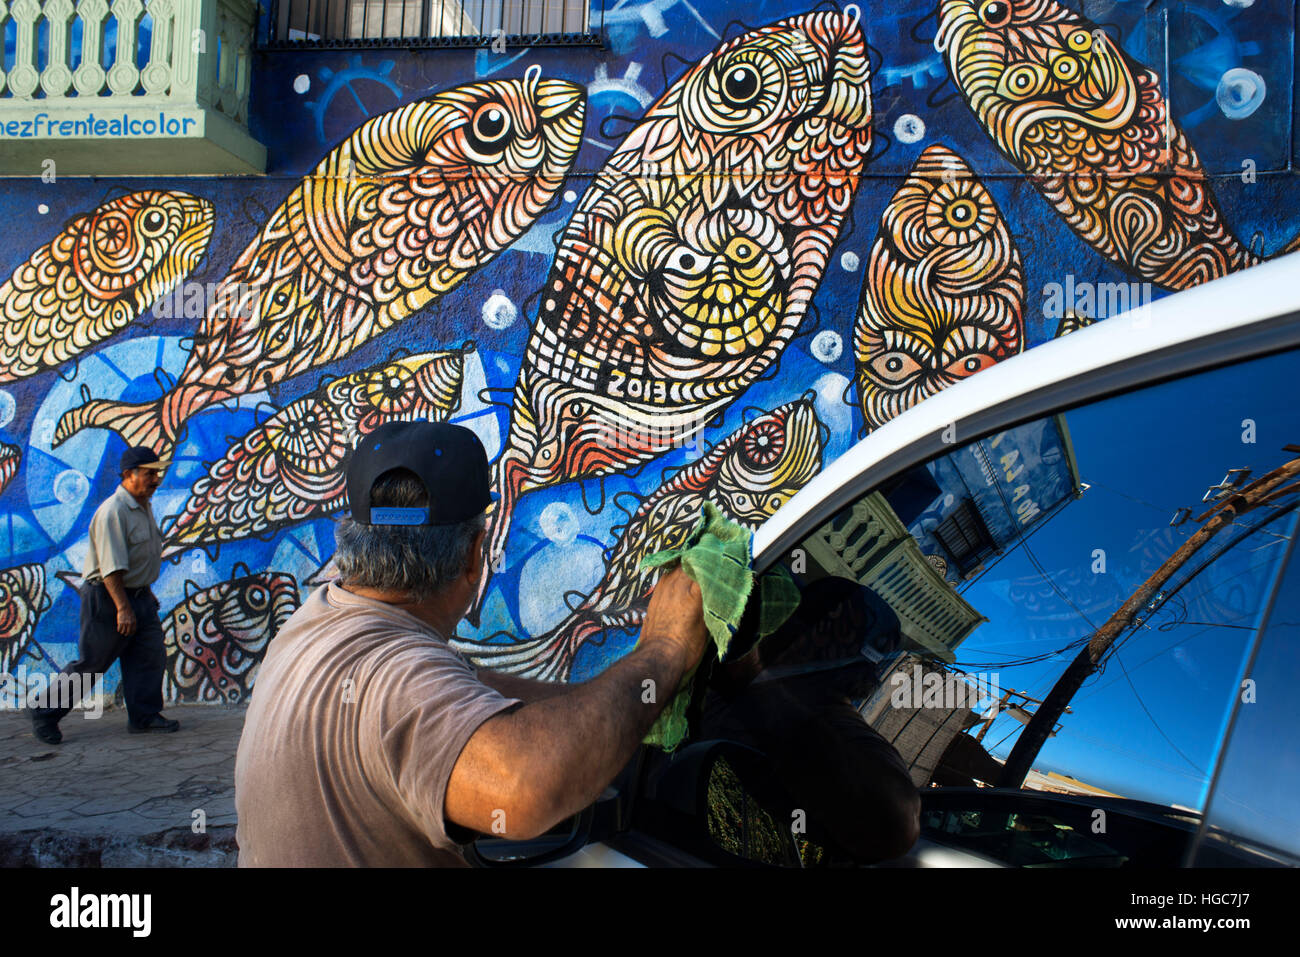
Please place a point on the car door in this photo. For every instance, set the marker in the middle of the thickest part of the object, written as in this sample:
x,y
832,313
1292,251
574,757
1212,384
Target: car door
x,y
956,562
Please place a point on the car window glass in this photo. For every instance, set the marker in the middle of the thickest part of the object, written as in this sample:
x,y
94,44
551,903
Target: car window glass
x,y
1253,802
939,609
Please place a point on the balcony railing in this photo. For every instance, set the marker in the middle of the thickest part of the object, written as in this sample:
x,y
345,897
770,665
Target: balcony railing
x,y
90,85
433,23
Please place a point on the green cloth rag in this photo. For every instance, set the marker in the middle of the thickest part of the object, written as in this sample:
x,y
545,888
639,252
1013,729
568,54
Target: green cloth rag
x,y
718,556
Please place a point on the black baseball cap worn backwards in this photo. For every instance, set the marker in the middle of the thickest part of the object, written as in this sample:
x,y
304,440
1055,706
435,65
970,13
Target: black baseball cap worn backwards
x,y
449,461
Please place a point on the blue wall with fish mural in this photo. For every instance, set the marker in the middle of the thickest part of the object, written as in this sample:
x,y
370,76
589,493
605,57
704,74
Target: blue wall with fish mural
x,y
698,263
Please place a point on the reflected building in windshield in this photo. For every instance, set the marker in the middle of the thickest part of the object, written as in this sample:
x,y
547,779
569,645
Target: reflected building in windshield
x,y
917,543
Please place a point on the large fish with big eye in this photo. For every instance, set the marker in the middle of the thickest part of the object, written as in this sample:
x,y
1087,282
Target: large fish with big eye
x,y
23,600
943,295
1090,126
692,257
748,476
95,277
291,467
411,203
215,639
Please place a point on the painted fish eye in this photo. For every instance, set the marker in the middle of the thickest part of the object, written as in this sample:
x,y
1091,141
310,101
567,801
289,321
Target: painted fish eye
x,y
961,213
153,222
742,251
1080,41
686,261
281,298
741,85
1065,68
894,368
763,445
1022,80
490,128
969,365
256,599
995,13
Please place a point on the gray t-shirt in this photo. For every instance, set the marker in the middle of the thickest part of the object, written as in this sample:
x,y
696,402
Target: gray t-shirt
x,y
359,713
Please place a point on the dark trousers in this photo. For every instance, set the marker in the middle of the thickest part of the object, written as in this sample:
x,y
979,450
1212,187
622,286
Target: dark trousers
x,y
141,652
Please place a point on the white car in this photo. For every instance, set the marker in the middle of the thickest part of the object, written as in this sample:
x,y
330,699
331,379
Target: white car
x,y
1005,519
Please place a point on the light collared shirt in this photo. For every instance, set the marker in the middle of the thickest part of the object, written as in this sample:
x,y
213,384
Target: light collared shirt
x,y
124,538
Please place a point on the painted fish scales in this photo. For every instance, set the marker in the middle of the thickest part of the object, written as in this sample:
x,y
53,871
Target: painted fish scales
x,y
1091,128
692,257
101,272
292,467
943,295
393,218
748,475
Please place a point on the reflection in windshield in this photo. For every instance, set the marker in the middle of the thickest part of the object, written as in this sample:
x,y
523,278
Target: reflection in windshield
x,y
999,562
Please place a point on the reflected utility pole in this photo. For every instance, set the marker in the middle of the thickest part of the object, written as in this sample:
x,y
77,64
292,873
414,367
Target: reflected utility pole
x,y
1263,491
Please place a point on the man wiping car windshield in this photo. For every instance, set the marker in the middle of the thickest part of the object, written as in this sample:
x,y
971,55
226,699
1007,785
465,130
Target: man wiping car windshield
x,y
369,741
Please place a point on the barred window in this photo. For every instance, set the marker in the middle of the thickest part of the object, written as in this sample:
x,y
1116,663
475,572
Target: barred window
x,y
432,22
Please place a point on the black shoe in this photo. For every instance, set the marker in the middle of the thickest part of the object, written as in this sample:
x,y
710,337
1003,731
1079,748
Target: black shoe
x,y
46,730
157,724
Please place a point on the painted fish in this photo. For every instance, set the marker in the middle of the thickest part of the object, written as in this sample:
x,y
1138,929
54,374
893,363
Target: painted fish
x,y
97,275
692,257
749,475
291,467
411,203
1090,126
10,458
215,639
23,600
944,291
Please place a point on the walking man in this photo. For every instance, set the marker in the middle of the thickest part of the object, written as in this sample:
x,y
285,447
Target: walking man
x,y
370,741
119,613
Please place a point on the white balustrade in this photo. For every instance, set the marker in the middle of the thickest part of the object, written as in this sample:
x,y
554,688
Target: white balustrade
x,y
200,53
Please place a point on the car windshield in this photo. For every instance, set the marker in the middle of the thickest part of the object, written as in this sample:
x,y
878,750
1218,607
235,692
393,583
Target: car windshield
x,y
942,607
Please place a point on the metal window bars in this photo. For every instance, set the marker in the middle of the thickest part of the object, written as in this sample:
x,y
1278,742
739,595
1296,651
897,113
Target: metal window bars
x,y
333,24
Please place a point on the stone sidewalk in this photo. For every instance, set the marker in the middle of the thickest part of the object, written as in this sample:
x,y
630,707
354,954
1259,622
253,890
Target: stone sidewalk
x,y
106,798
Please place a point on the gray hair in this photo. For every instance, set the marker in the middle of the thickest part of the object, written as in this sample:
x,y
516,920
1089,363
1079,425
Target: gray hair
x,y
416,559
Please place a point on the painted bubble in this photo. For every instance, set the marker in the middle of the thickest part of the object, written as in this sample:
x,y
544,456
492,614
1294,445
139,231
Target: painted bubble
x,y
833,411
42,209
827,346
499,312
71,486
558,523
8,407
1240,93
849,261
909,128
570,196
301,83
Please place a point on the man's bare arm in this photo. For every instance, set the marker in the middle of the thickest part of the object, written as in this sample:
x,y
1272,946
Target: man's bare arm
x,y
126,622
526,690
551,758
